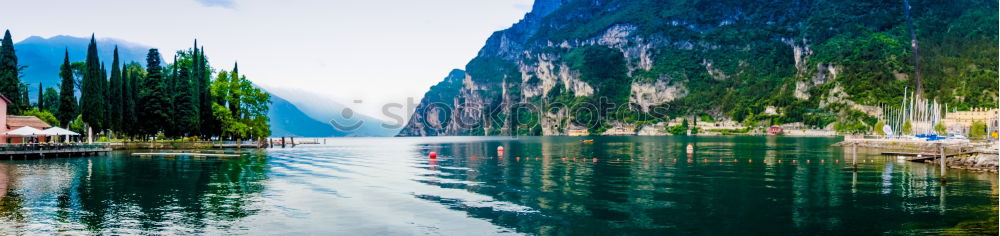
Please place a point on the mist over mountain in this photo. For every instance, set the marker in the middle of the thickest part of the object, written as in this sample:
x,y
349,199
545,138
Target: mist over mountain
x,y
321,108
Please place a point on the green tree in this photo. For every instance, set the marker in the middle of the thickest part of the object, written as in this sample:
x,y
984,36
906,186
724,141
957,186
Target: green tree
x,y
209,126
153,105
131,75
67,98
77,124
251,101
51,101
10,83
185,115
878,128
977,130
940,129
40,104
907,128
46,116
115,95
92,101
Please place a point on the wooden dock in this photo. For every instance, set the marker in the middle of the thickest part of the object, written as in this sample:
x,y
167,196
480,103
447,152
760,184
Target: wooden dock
x,y
921,156
40,152
193,154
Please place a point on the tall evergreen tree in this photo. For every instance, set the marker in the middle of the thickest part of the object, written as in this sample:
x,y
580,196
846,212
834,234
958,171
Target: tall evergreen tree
x,y
209,124
106,124
10,84
41,99
195,84
153,96
115,95
171,80
92,99
126,102
185,106
130,77
67,98
234,98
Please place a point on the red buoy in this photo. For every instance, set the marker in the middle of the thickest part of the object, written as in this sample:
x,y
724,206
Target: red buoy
x,y
433,155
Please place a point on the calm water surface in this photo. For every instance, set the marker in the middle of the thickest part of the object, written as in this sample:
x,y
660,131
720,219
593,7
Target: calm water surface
x,y
541,185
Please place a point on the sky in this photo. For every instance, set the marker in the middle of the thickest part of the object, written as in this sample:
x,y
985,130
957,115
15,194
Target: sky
x,y
373,51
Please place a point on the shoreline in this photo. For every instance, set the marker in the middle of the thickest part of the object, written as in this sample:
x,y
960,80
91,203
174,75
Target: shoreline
x,y
974,156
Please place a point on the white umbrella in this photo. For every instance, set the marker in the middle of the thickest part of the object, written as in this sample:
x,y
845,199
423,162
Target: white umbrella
x,y
24,131
56,131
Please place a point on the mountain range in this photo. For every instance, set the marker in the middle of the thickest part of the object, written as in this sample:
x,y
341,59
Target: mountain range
x,y
661,63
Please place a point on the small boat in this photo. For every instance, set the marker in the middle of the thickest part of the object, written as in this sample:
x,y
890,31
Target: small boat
x,y
587,141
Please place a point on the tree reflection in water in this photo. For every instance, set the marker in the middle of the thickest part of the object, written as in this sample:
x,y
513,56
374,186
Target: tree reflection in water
x,y
125,194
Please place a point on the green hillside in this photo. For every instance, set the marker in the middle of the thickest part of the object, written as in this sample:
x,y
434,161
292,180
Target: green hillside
x,y
816,62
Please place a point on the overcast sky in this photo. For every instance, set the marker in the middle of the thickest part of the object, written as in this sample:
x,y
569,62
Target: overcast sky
x,y
373,50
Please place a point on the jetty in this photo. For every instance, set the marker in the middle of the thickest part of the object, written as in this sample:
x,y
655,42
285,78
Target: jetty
x,y
193,154
41,151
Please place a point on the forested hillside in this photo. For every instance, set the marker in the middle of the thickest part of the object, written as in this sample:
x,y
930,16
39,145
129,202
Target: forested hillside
x,y
813,61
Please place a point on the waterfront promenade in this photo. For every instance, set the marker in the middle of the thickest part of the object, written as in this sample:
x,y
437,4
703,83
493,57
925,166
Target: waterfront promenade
x,y
38,151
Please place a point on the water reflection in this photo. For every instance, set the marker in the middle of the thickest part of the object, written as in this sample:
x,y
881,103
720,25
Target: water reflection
x,y
539,185
736,184
123,194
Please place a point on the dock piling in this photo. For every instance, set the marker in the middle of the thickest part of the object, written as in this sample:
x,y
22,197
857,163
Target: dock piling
x,y
854,156
942,160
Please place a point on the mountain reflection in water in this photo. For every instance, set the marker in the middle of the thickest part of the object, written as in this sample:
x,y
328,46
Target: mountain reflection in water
x,y
541,185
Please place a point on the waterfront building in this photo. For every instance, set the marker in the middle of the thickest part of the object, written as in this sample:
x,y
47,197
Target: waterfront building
x,y
11,122
775,130
621,129
574,131
960,121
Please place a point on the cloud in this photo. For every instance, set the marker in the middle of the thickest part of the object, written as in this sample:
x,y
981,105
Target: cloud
x,y
231,4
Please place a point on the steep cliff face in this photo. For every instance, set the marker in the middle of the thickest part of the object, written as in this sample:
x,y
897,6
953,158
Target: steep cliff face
x,y
607,66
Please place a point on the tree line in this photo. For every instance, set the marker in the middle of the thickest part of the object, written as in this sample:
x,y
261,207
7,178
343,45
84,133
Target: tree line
x,y
136,101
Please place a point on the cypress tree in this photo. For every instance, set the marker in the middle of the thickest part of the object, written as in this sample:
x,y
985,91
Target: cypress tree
x,y
10,84
153,114
130,74
185,113
41,99
67,99
92,96
194,81
171,95
106,124
115,95
209,125
234,98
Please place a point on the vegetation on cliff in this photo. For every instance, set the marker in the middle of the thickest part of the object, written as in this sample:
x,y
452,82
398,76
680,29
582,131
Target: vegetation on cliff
x,y
815,61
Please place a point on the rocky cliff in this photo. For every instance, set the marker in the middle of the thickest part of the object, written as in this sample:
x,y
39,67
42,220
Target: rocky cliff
x,y
617,66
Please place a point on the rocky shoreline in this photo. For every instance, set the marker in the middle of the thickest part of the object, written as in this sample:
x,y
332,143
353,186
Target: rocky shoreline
x,y
973,156
982,162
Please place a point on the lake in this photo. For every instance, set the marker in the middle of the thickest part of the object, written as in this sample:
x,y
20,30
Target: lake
x,y
540,185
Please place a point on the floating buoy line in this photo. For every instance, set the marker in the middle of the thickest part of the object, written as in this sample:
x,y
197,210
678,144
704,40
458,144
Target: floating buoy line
x,y
518,159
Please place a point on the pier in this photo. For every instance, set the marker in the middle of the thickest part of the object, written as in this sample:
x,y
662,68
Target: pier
x,y
193,154
41,151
